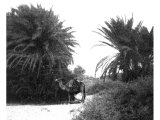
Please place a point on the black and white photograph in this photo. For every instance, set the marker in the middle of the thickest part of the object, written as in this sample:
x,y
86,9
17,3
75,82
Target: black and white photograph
x,y
79,60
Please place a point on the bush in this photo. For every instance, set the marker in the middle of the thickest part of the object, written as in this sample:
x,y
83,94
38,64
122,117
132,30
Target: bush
x,y
100,108
90,82
100,86
125,101
37,44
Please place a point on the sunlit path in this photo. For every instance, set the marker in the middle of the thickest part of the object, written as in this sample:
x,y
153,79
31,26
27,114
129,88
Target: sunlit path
x,y
43,112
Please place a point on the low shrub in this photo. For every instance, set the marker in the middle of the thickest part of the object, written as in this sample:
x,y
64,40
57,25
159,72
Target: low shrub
x,y
95,88
100,86
100,108
122,101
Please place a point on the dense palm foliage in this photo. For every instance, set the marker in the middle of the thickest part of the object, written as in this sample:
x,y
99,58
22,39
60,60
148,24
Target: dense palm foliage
x,y
36,39
135,46
39,48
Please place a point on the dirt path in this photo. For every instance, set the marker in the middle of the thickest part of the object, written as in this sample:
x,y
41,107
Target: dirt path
x,y
44,112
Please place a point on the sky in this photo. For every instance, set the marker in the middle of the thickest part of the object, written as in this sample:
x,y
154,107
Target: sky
x,y
86,16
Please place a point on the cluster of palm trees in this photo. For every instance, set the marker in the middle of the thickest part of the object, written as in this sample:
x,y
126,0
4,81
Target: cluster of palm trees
x,y
135,50
38,45
40,48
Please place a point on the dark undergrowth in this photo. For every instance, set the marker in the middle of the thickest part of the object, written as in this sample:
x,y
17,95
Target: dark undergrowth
x,y
120,101
38,99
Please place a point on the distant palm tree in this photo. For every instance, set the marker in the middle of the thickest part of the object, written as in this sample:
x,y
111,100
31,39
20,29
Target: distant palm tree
x,y
135,46
37,40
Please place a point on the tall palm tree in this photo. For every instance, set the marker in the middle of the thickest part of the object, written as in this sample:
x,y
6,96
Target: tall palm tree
x,y
37,40
129,41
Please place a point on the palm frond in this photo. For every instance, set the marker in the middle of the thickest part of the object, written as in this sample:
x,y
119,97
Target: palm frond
x,y
104,62
135,45
36,37
108,44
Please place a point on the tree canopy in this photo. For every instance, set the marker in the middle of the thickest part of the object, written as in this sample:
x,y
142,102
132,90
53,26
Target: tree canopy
x,y
39,49
135,46
79,70
37,39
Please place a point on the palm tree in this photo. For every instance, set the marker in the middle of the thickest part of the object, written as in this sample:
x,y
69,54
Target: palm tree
x,y
134,45
39,47
37,40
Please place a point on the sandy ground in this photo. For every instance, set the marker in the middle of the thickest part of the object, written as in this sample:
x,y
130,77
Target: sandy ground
x,y
44,112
